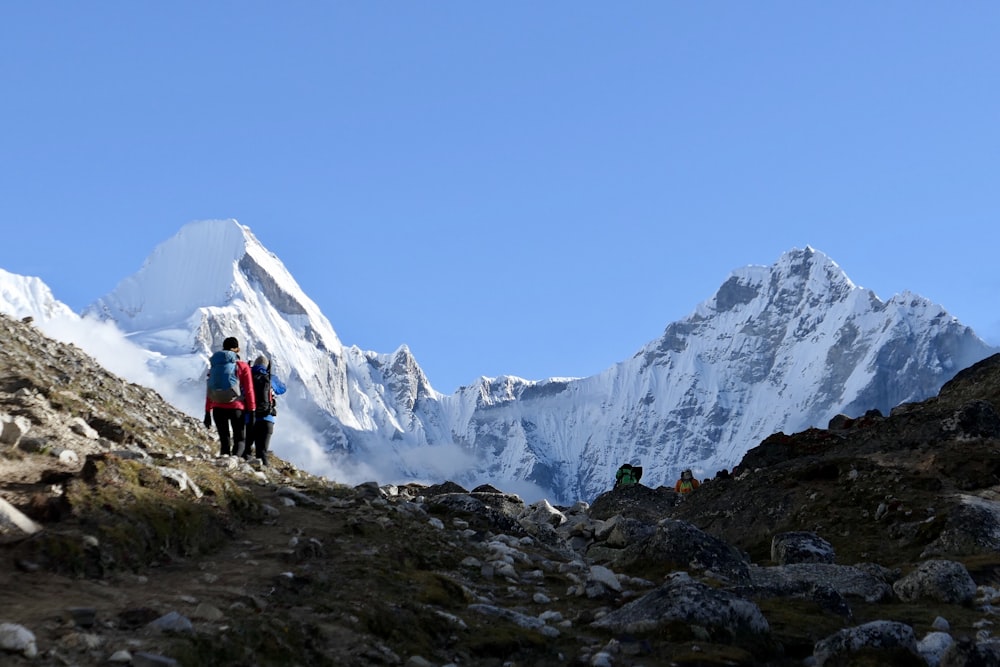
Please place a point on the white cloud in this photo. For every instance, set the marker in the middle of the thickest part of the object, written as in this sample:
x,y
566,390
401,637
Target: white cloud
x,y
441,462
297,443
106,343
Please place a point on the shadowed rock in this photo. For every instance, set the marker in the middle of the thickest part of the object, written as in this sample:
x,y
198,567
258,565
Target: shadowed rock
x,y
683,600
678,545
636,501
800,547
888,637
943,580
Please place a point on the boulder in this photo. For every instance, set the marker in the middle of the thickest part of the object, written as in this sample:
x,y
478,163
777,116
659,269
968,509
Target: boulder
x,y
797,578
679,545
800,547
635,501
942,580
971,528
893,639
12,429
683,600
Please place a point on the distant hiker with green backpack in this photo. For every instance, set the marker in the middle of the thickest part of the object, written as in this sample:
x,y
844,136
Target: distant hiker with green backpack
x,y
628,475
265,388
229,398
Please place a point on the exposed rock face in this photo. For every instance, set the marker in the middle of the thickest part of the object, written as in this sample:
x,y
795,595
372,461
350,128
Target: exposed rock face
x,y
144,547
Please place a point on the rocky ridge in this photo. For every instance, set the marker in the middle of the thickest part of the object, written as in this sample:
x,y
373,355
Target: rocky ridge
x,y
126,540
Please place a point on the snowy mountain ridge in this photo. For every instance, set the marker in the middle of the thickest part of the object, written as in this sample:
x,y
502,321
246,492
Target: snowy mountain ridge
x,y
777,348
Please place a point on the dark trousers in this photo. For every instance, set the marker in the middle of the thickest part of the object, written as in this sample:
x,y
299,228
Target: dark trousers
x,y
226,418
262,431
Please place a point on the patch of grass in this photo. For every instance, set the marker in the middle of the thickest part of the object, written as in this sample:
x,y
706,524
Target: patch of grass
x,y
255,641
405,626
984,568
137,518
701,654
441,591
62,552
797,624
502,638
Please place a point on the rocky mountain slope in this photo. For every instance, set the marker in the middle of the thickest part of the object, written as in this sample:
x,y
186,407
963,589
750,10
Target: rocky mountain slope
x,y
125,540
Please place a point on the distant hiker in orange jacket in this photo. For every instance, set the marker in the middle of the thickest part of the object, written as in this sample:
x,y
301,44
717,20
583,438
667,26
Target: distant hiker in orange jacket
x,y
229,398
686,484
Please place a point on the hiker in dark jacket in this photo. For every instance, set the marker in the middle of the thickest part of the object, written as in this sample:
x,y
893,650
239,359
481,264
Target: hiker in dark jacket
x,y
266,387
231,414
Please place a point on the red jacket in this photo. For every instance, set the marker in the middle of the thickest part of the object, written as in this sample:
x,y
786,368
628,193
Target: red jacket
x,y
247,401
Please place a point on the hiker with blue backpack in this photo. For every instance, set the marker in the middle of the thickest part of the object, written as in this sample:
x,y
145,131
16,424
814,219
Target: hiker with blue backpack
x,y
229,398
265,388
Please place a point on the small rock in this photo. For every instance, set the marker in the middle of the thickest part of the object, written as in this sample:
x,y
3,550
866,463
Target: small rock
x,y
207,612
18,639
83,616
172,622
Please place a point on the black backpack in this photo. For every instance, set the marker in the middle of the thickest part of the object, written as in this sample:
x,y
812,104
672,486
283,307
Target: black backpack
x,y
263,393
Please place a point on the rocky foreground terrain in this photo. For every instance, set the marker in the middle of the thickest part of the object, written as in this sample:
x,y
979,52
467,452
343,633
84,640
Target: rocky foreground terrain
x,y
125,540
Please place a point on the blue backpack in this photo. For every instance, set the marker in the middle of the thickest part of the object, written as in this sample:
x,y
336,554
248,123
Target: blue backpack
x,y
223,385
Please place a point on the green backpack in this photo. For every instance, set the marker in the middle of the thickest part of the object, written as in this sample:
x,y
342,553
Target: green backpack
x,y
627,475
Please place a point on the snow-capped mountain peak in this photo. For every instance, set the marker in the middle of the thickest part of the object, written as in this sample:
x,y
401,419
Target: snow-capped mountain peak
x,y
210,263
29,296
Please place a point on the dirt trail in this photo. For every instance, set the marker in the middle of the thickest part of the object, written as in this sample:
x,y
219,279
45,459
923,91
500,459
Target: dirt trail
x,y
243,574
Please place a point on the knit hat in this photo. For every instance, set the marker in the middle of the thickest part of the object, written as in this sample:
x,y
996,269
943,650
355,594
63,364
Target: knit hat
x,y
230,344
261,360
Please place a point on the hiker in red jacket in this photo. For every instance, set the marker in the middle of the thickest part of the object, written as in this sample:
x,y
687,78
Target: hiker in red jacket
x,y
229,398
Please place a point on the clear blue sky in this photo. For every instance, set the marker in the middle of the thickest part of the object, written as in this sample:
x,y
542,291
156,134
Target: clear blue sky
x,y
522,188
